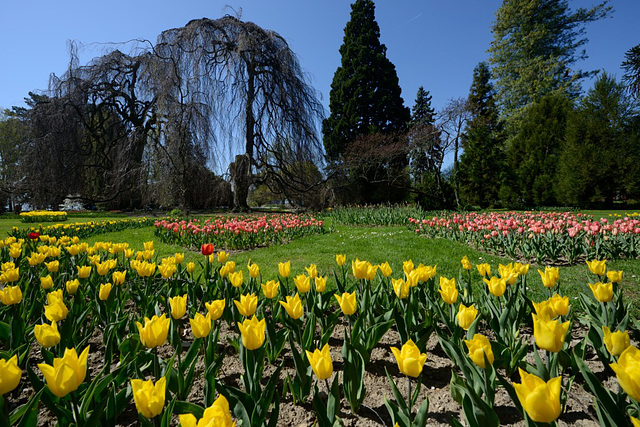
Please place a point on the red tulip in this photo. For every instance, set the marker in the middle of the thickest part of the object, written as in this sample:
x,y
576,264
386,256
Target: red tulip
x,y
207,249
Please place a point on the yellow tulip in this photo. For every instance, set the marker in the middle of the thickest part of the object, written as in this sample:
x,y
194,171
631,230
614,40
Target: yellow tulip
x,y
155,330
603,292
83,271
118,277
302,282
549,334
191,267
597,267
359,269
216,415
466,264
341,259
496,286
413,278
371,271
348,303
178,306
321,283
53,266
67,373
15,250
385,269
321,363
466,316
635,422
46,282
270,289
400,287
312,271
236,279
72,286
616,342
200,325
55,295
105,290
410,360
252,332
10,275
293,306
247,305
614,276
254,270
425,272
178,257
47,335
549,276
215,308
103,268
284,268
627,370
11,295
10,374
149,397
448,290
223,257
484,269
407,267
56,311
167,270
521,269
479,347
545,310
540,399
148,246
560,304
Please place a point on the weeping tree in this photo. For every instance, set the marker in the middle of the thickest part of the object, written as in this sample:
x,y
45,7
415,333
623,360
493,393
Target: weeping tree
x,y
246,92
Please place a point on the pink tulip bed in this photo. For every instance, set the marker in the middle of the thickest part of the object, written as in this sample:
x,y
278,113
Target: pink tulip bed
x,y
542,237
238,232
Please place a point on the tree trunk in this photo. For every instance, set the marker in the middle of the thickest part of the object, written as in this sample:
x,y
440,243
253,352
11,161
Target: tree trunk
x,y
241,181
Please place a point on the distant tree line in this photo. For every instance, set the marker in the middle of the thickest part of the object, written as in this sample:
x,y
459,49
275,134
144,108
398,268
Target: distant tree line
x,y
219,113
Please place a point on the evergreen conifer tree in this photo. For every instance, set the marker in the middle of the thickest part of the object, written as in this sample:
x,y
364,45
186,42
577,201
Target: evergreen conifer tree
x,y
365,96
482,164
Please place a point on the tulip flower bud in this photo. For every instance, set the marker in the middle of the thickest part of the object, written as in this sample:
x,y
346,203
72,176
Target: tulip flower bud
x,y
616,342
479,348
410,360
627,370
67,373
284,268
148,397
154,332
11,295
312,271
10,374
466,264
178,306
253,333
293,306
200,325
400,287
347,302
448,290
217,415
549,334
47,335
540,399
215,308
105,290
270,289
597,267
320,361
341,259
303,283
321,283
466,316
385,269
247,305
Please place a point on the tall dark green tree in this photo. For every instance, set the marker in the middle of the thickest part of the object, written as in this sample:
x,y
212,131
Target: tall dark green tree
x,y
599,163
533,152
631,66
535,44
482,162
365,96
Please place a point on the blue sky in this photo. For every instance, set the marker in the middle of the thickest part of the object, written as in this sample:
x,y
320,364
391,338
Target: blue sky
x,y
434,43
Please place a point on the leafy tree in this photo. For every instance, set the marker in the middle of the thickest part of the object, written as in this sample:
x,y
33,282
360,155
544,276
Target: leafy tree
x,y
532,154
482,164
631,66
599,163
13,134
535,44
365,96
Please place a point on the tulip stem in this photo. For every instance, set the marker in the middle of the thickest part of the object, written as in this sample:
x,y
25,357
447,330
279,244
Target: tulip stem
x,y
606,314
486,387
548,362
74,403
409,406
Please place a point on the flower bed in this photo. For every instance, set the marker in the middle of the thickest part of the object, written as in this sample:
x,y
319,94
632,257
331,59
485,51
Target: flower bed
x,y
98,333
238,232
538,236
43,216
84,229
